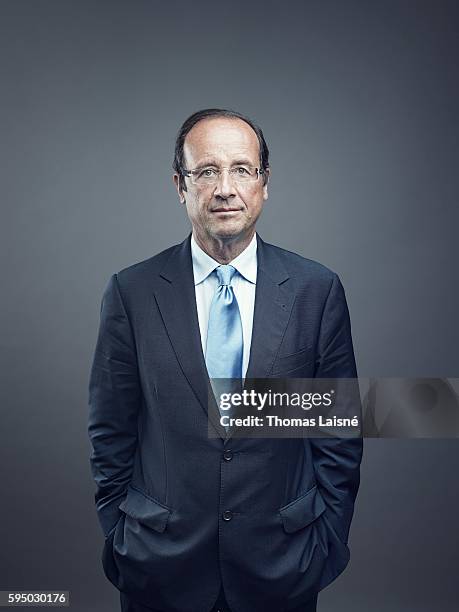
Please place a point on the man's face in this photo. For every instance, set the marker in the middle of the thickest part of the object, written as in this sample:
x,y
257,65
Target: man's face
x,y
226,210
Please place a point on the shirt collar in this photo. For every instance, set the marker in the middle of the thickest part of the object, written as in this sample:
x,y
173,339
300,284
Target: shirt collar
x,y
245,263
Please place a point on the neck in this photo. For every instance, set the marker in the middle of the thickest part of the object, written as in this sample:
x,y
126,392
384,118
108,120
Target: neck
x,y
224,250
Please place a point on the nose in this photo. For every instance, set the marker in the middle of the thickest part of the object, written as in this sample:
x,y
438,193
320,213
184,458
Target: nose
x,y
225,185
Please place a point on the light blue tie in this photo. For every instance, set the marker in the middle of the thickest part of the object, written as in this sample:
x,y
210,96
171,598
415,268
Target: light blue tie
x,y
224,346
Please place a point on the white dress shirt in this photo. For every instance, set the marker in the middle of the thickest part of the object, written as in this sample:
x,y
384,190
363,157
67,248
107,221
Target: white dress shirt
x,y
244,284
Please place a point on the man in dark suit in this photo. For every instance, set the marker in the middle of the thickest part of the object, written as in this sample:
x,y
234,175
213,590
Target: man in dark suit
x,y
195,523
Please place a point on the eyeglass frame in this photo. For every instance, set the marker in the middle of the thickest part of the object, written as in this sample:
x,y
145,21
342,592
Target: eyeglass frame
x,y
189,173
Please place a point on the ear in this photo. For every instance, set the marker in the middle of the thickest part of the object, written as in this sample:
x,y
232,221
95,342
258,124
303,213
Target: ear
x,y
267,173
176,179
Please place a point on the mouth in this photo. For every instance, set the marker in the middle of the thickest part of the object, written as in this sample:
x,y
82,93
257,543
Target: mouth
x,y
225,211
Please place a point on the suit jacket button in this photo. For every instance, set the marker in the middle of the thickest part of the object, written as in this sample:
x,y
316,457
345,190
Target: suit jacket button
x,y
227,515
228,455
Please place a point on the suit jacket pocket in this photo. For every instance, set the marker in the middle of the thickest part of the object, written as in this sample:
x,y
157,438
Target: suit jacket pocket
x,y
145,509
288,363
303,510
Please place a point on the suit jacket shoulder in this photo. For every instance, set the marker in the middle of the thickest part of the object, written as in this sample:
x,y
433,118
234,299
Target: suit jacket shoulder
x,y
146,267
137,280
300,268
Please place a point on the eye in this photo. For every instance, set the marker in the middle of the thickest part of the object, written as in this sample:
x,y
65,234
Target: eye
x,y
207,173
242,170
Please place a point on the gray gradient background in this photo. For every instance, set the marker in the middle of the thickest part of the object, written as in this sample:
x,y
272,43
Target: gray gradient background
x,y
359,103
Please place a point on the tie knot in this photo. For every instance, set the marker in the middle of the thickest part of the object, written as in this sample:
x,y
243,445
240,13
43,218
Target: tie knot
x,y
225,274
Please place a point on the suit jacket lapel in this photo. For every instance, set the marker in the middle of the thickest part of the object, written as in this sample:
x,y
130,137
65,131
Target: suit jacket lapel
x,y
176,299
274,298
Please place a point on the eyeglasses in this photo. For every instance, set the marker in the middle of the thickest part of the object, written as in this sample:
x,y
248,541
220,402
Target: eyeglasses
x,y
210,175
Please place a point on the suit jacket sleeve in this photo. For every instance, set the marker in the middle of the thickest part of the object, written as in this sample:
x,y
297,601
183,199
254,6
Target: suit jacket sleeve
x,y
337,460
114,396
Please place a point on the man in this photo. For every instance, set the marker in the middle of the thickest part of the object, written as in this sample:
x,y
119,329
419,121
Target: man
x,y
195,523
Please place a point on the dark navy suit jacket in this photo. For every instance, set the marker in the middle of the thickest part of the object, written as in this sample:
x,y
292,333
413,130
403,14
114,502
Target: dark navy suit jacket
x,y
163,485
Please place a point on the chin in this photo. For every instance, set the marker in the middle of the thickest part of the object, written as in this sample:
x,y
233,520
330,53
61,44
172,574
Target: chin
x,y
226,230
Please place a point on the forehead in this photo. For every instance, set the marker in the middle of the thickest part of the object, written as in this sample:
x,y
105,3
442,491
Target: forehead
x,y
221,139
